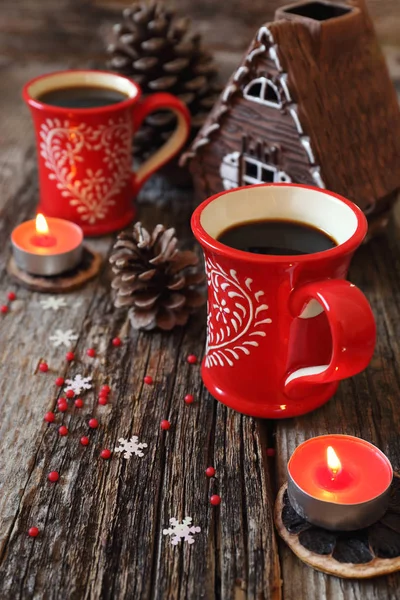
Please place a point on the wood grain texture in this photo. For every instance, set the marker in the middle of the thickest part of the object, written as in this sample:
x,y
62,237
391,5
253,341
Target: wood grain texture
x,y
101,524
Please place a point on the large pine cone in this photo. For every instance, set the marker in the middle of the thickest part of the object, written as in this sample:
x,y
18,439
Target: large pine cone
x,y
154,48
154,279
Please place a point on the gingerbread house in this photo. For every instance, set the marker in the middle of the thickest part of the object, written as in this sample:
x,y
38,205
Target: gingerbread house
x,y
312,103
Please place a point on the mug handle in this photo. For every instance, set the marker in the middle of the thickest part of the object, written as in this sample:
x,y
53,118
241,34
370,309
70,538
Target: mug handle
x,y
352,326
160,101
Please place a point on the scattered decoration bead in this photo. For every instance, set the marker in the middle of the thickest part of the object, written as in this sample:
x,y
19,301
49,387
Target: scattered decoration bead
x,y
70,394
189,399
215,500
105,389
93,423
103,400
148,379
63,430
192,359
4,309
165,425
78,403
60,381
11,296
61,400
49,417
84,440
129,447
62,406
181,530
106,453
210,471
103,394
53,476
70,356
271,452
91,352
116,342
33,532
43,367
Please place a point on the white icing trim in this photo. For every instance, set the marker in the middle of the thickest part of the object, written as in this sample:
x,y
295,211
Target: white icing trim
x,y
316,175
294,114
305,140
259,50
240,73
229,90
264,81
264,31
283,81
273,54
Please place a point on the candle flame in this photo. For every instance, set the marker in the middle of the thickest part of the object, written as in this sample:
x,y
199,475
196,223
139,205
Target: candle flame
x,y
333,461
41,224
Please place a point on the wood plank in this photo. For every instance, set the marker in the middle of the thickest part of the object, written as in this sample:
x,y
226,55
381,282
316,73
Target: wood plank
x,y
365,406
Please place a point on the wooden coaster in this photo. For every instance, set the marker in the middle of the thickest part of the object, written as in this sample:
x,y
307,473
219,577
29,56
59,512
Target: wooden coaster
x,y
66,282
348,554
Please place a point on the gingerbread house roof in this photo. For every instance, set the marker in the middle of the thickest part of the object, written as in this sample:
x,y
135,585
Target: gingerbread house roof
x,y
338,88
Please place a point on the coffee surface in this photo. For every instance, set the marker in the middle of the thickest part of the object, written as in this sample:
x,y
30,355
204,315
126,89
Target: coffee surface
x,y
276,237
82,97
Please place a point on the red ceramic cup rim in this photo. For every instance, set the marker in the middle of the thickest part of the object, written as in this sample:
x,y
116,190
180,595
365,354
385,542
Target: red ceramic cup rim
x,y
212,244
360,441
34,103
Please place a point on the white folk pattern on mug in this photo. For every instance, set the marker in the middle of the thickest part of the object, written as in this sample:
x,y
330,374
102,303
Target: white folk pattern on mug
x,y
61,147
232,332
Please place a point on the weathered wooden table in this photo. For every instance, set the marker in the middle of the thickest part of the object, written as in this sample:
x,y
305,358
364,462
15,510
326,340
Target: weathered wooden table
x,y
101,524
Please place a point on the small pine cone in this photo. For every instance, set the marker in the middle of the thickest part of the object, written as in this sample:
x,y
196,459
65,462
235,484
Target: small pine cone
x,y
154,278
156,49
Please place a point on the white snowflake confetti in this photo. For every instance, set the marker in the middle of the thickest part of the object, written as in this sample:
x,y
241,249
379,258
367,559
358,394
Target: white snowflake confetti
x,y
181,531
63,337
78,384
54,302
129,447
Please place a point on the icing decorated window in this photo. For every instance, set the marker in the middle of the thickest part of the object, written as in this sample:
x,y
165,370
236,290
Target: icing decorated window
x,y
254,171
263,91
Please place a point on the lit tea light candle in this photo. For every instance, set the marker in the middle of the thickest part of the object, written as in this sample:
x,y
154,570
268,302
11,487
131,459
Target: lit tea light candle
x,y
339,482
47,246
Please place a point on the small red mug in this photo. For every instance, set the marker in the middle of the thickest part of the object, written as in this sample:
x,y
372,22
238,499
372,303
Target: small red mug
x,y
282,331
85,154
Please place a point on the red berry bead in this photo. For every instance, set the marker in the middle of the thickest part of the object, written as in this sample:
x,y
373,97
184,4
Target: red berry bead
x,y
106,453
165,425
103,400
44,367
271,452
105,390
4,309
70,393
11,296
78,403
53,476
93,423
62,406
70,356
189,399
61,400
63,430
116,342
215,500
91,352
192,359
148,379
84,440
49,417
210,471
60,381
33,532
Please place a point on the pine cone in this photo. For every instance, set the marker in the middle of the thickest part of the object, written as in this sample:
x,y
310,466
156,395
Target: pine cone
x,y
151,278
154,48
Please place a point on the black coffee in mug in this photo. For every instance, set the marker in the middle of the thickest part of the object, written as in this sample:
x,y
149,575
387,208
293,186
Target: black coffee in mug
x,y
82,97
278,237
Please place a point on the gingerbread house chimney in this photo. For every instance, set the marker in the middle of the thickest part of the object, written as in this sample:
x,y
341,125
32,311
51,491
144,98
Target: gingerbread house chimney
x,y
315,86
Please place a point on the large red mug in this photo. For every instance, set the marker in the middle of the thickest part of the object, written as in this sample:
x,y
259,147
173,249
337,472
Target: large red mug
x,y
282,330
85,154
